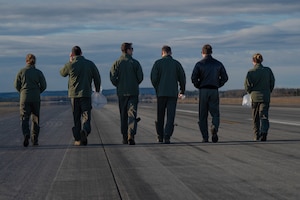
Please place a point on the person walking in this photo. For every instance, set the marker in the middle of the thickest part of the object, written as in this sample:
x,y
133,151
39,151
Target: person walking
x,y
82,72
259,83
126,74
208,76
166,74
30,83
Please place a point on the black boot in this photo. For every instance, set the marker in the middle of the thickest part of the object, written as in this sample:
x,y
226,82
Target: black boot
x,y
131,139
125,139
263,137
159,133
26,140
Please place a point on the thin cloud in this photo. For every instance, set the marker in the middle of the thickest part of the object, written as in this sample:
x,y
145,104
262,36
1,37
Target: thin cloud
x,y
236,29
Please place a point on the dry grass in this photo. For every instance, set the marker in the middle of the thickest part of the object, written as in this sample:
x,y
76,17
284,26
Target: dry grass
x,y
9,107
285,100
279,101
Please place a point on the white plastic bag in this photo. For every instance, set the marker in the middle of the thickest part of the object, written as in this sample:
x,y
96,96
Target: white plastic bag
x,y
98,100
247,100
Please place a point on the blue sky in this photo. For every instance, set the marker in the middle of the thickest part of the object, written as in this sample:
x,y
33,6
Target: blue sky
x,y
236,30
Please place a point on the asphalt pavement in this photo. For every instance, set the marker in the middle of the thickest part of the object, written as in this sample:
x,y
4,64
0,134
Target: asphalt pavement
x,y
234,168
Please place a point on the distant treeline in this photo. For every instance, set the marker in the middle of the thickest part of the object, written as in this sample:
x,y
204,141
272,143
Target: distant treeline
x,y
147,94
277,92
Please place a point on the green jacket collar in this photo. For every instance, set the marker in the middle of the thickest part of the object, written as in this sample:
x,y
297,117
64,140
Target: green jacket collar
x,y
30,66
258,65
78,57
167,56
124,55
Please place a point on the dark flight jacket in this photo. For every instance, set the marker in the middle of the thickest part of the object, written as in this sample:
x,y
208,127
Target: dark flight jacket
x,y
126,74
30,83
260,83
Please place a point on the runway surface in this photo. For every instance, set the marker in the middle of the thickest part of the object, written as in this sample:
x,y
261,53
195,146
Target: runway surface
x,y
234,168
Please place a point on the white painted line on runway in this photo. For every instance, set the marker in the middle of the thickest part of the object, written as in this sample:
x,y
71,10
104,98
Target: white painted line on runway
x,y
270,120
180,110
282,122
187,111
286,123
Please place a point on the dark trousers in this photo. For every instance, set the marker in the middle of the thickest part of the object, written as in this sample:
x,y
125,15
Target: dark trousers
x,y
27,110
81,108
260,116
128,112
208,103
163,104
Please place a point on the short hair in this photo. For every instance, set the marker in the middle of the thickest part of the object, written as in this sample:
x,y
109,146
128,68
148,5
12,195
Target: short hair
x,y
76,51
30,59
125,46
166,49
207,49
257,58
